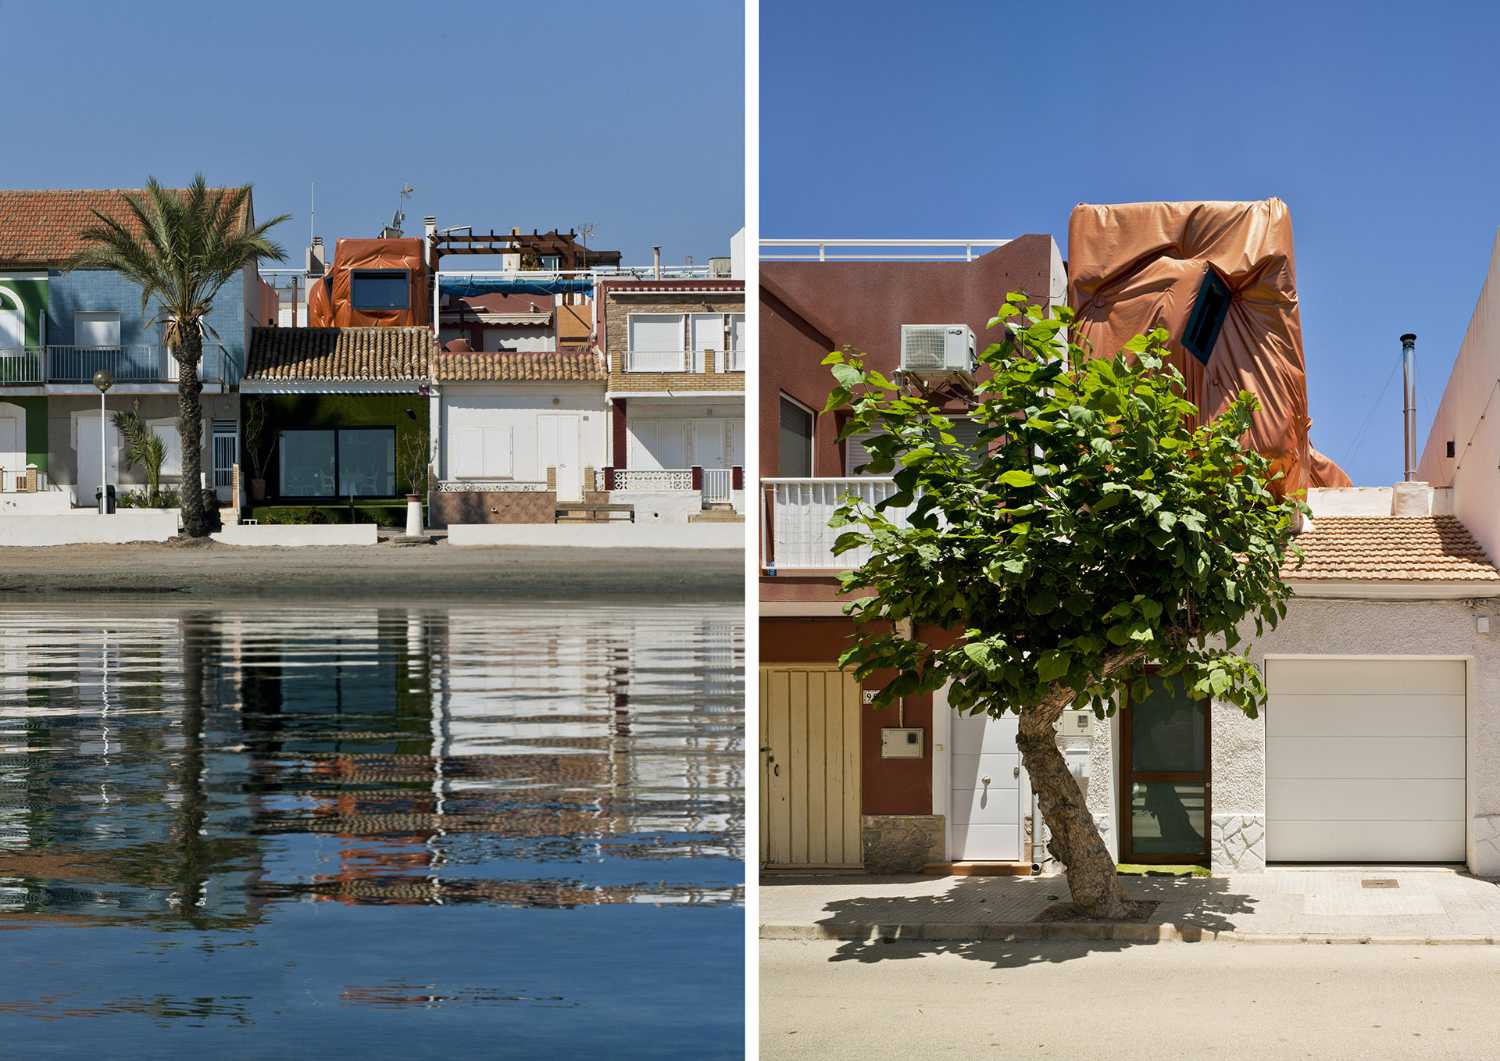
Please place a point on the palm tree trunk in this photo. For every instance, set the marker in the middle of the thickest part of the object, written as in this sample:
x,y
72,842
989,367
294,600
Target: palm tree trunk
x,y
195,523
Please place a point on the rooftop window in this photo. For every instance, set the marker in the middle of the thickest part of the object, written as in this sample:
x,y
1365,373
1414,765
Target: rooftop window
x,y
380,289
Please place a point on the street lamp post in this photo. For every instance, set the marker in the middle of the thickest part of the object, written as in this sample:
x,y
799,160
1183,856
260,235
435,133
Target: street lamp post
x,y
103,380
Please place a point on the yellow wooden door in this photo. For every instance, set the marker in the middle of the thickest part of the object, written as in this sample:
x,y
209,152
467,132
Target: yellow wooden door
x,y
809,791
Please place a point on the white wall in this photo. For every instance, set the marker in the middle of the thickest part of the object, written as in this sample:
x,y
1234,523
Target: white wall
x,y
89,528
1469,416
602,535
671,434
293,535
504,417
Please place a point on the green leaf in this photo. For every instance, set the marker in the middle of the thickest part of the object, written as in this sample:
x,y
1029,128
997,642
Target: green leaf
x,y
1017,477
1050,666
848,376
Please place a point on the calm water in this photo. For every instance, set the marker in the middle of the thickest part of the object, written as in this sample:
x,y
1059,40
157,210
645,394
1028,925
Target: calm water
x,y
309,831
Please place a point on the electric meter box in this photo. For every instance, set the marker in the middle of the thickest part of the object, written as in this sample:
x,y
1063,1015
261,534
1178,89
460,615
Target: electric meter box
x,y
903,742
1077,723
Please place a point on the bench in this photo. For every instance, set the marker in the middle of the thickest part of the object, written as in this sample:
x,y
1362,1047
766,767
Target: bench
x,y
585,513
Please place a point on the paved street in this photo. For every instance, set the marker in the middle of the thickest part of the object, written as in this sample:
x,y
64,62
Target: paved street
x,y
1403,904
1113,1002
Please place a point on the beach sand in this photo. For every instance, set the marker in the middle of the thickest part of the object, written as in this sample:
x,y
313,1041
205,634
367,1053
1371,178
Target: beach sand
x,y
409,573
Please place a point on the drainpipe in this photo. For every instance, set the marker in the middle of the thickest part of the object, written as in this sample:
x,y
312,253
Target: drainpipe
x,y
1409,407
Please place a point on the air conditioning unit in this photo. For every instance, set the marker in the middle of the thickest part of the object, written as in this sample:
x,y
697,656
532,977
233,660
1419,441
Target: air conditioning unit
x,y
720,267
938,349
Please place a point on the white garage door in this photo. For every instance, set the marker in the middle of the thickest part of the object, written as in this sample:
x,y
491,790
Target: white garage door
x,y
1365,760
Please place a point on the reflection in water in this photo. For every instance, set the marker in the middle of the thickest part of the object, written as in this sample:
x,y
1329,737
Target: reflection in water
x,y
204,769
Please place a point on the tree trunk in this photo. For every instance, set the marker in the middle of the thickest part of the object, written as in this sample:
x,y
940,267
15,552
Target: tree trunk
x,y
195,523
1075,842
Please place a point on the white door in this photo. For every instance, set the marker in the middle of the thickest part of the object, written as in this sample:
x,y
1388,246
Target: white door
x,y
12,449
88,457
559,448
985,776
708,444
1365,760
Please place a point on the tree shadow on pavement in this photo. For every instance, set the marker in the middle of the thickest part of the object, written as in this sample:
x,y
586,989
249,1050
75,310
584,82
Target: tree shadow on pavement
x,y
1002,920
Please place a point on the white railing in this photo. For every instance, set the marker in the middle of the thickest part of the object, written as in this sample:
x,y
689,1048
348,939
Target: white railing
x,y
734,360
876,250
22,364
653,478
718,485
795,530
656,361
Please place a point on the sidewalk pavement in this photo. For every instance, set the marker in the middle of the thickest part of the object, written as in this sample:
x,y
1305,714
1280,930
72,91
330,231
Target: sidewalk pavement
x,y
1302,905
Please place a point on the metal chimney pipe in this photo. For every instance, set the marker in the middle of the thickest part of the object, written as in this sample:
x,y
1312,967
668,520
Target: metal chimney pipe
x,y
1409,406
656,262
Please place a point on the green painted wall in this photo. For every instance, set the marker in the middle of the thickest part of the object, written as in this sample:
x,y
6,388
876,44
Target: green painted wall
x,y
36,427
33,297
339,410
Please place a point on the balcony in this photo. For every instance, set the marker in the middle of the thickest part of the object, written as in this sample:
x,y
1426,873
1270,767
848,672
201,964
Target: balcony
x,y
795,535
34,366
658,361
731,360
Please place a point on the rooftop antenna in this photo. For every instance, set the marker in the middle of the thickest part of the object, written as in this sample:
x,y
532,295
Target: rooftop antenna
x,y
399,217
312,213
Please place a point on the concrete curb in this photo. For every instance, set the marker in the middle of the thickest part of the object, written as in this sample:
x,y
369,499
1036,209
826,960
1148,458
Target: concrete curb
x,y
1063,931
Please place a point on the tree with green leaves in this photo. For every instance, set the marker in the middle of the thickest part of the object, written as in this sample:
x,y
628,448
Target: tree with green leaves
x,y
181,247
143,446
1098,536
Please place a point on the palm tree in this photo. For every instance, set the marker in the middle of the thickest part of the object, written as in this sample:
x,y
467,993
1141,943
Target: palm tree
x,y
181,247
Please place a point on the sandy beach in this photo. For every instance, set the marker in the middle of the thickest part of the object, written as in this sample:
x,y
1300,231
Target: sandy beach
x,y
387,571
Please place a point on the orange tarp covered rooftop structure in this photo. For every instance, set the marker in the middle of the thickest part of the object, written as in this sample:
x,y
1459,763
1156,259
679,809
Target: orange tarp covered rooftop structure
x,y
1220,277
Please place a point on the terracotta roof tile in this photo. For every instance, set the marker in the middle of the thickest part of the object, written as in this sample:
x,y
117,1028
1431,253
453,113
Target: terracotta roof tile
x,y
41,226
570,366
1390,549
318,354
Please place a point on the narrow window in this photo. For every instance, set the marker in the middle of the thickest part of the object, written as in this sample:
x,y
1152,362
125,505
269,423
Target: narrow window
x,y
795,440
1450,447
1209,310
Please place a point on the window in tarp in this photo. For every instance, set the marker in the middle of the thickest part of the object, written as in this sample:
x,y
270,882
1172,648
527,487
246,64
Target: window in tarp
x,y
379,289
1209,310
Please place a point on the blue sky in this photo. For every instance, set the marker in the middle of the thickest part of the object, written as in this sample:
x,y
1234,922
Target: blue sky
x,y
1379,127
628,116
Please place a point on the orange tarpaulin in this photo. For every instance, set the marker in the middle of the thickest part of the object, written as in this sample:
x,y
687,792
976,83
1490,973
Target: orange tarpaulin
x,y
1227,270
330,303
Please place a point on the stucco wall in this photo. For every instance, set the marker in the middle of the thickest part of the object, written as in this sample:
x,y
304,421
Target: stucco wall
x,y
1466,419
517,408
1341,628
62,414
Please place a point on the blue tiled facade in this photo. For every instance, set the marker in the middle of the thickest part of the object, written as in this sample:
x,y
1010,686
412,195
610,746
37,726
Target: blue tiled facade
x,y
69,293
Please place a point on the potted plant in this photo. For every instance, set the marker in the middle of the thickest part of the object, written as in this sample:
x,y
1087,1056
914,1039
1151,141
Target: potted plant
x,y
142,446
260,455
415,470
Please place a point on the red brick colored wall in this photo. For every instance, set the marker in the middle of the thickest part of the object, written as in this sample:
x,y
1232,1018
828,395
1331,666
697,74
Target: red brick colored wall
x,y
483,506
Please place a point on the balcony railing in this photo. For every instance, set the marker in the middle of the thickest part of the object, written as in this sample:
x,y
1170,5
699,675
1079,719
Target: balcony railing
x,y
734,360
657,361
795,534
876,250
127,364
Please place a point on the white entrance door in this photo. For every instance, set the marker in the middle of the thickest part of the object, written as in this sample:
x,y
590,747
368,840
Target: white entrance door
x,y
708,444
559,449
1365,760
12,447
89,476
985,804
226,455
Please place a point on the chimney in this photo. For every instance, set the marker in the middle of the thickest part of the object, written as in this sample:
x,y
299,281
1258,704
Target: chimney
x,y
429,227
656,262
1409,405
317,262
429,242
